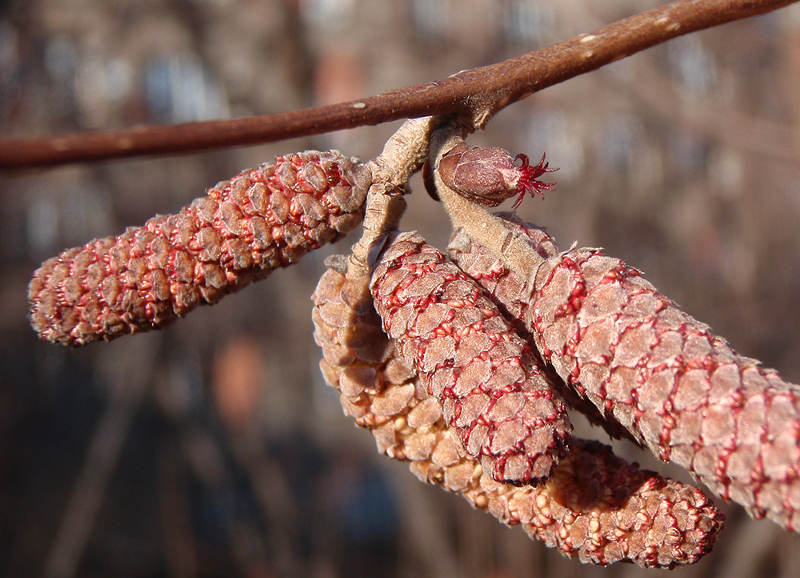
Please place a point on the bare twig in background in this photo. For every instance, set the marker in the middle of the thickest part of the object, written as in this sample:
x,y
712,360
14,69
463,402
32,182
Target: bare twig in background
x,y
176,528
102,456
478,93
735,128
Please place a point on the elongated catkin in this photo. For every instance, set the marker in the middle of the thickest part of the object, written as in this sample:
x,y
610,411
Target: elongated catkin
x,y
243,228
595,506
659,373
471,360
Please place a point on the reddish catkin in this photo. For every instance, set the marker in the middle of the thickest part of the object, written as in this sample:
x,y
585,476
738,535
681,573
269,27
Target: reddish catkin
x,y
510,293
243,228
471,360
664,376
595,506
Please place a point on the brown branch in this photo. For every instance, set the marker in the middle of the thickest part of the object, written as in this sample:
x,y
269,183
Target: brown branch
x,y
108,439
479,92
708,117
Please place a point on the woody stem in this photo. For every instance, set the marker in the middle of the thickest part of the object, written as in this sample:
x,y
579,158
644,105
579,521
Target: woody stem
x,y
477,94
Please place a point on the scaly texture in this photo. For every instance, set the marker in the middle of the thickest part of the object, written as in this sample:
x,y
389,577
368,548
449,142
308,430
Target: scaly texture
x,y
471,360
511,294
664,376
240,231
595,506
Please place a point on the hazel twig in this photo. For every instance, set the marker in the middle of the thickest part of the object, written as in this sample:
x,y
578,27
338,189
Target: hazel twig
x,y
476,94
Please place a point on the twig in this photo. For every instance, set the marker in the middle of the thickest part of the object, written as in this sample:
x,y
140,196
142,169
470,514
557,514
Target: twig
x,y
101,459
402,156
476,93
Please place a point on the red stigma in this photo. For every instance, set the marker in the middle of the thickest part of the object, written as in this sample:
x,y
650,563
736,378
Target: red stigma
x,y
528,180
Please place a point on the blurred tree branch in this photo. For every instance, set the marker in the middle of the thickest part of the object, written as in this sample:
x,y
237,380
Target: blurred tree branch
x,y
477,93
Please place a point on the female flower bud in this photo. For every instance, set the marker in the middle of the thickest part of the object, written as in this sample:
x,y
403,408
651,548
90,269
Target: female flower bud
x,y
489,176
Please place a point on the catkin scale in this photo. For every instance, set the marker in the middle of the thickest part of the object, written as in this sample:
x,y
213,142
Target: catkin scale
x,y
595,506
243,228
662,375
471,360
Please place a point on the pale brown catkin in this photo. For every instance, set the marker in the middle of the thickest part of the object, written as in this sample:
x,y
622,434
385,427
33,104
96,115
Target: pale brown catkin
x,y
243,228
658,372
595,506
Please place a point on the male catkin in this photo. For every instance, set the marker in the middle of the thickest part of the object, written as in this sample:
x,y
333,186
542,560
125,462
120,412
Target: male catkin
x,y
471,360
659,373
243,228
595,506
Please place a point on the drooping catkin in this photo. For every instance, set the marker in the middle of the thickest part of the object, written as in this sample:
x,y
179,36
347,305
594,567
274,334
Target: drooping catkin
x,y
243,228
594,506
471,360
510,292
662,375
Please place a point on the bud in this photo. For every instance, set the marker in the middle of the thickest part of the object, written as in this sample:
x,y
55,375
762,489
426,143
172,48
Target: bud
x,y
489,176
665,377
595,506
240,231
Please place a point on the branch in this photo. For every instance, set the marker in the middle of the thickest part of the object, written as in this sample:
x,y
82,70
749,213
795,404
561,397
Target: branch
x,y
478,93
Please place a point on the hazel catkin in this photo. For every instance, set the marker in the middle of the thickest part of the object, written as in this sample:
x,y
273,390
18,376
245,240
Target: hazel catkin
x,y
665,377
243,228
595,506
471,360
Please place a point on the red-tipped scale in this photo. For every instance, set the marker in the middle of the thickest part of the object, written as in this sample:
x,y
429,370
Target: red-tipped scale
x,y
489,176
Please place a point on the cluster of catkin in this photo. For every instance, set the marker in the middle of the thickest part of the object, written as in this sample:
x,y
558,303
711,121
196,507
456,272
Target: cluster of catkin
x,y
656,371
593,506
240,231
466,368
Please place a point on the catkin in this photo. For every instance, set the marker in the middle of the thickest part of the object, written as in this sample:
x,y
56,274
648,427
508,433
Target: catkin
x,y
662,375
511,294
471,360
240,231
594,506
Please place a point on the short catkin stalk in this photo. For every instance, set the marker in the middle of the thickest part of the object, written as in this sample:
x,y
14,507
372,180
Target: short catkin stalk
x,y
243,228
659,373
471,360
595,506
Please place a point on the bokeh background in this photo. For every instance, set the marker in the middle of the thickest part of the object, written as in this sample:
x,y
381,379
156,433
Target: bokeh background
x,y
213,448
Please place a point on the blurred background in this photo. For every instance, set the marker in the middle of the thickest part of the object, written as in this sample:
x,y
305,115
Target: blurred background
x,y
213,447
